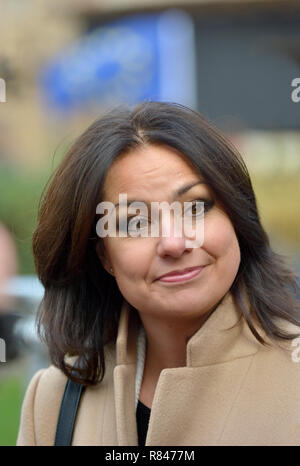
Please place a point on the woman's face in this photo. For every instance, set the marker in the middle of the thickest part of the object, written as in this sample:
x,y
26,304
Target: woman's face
x,y
155,173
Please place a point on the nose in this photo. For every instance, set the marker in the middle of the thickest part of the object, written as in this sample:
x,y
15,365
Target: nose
x,y
173,244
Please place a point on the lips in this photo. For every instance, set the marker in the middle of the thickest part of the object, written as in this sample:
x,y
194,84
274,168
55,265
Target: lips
x,y
181,273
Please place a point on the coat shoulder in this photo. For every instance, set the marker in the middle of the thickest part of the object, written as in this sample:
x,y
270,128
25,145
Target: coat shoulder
x,y
40,408
42,401
279,365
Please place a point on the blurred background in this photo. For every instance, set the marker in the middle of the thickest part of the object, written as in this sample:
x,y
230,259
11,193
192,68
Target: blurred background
x,y
63,63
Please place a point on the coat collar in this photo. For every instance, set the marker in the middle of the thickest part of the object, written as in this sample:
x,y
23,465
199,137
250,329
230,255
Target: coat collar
x,y
218,358
224,336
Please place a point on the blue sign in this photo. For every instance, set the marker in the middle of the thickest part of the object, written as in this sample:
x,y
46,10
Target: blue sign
x,y
137,58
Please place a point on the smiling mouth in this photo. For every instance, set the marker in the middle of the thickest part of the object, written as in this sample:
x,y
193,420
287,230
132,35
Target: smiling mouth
x,y
181,277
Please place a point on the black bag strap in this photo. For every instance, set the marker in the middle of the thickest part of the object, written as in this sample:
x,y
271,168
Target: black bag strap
x,y
67,414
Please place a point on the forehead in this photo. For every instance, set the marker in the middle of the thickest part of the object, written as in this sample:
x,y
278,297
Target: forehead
x,y
148,169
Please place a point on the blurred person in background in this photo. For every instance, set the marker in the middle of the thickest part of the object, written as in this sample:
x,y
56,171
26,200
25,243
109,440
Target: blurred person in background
x,y
8,270
162,343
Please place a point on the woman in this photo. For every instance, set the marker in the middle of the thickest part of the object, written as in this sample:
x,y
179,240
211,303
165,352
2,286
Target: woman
x,y
204,354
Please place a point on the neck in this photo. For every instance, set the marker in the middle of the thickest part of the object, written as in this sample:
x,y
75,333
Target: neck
x,y
165,348
166,342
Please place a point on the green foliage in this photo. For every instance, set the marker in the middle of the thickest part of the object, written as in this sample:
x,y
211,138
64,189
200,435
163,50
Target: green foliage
x,y
11,397
19,199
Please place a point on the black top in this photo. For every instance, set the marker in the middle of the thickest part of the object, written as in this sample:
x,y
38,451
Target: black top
x,y
142,420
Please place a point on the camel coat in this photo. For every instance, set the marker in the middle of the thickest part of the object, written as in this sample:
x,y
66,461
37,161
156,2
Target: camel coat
x,y
232,391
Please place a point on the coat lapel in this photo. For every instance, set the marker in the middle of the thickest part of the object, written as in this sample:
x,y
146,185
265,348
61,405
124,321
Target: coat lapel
x,y
191,405
124,377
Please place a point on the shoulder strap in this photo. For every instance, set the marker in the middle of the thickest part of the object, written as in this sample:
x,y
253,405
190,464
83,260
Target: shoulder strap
x,y
67,414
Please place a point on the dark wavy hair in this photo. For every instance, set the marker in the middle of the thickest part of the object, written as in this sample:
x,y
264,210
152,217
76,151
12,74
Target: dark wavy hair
x,y
80,310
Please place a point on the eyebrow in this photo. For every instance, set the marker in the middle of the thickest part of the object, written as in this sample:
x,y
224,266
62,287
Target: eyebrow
x,y
180,192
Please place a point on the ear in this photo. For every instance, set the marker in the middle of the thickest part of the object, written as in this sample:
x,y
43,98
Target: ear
x,y
100,251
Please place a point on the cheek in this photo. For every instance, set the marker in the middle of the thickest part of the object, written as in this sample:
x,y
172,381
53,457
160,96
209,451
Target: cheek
x,y
129,259
220,240
132,260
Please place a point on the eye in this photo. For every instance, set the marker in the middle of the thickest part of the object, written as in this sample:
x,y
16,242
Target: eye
x,y
137,223
199,207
